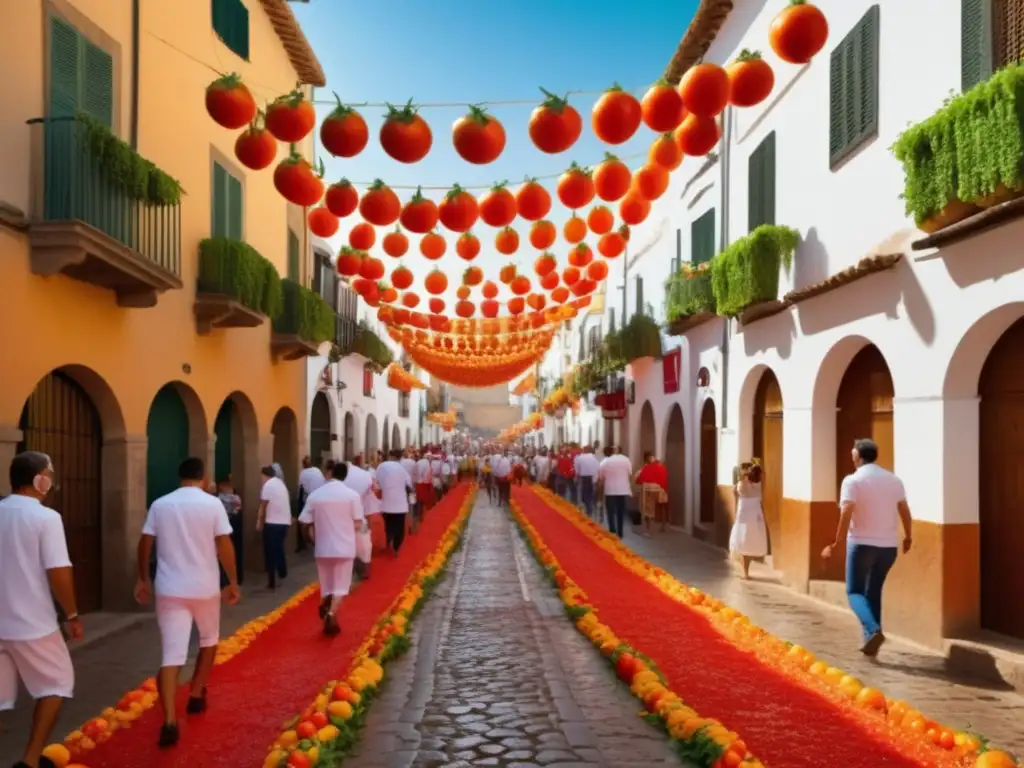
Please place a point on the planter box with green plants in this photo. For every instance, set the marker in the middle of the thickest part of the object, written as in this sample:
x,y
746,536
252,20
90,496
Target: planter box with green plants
x,y
236,287
968,156
368,344
689,297
747,272
305,322
640,337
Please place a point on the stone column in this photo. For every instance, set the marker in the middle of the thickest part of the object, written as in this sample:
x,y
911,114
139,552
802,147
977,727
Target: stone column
x,y
10,437
124,512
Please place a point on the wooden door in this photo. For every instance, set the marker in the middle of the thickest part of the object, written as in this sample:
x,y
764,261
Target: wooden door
x,y
864,409
708,462
60,420
1001,485
768,448
675,463
167,435
320,428
222,450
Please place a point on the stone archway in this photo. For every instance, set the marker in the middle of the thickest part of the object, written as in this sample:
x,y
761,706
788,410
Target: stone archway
x,y
370,438
285,431
768,448
648,440
320,429
408,438
176,429
675,463
73,416
708,462
236,458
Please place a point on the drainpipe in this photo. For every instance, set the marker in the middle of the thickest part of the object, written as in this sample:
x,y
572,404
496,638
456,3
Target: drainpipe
x,y
134,135
725,160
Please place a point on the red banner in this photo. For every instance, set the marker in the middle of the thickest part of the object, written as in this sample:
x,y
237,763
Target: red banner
x,y
612,405
672,365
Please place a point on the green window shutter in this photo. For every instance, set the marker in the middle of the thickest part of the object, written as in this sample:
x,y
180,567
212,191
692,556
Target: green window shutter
x,y
235,207
975,42
293,256
761,184
231,23
853,88
64,69
219,202
98,84
702,238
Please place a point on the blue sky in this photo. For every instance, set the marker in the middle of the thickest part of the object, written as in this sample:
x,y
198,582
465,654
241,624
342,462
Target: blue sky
x,y
470,52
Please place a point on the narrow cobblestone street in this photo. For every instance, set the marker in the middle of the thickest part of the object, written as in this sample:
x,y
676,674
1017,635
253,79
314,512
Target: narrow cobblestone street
x,y
498,676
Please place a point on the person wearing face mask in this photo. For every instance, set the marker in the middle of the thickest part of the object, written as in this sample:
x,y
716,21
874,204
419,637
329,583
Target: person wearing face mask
x,y
34,570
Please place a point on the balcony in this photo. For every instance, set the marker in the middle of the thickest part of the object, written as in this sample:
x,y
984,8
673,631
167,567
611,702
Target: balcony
x,y
102,214
236,286
306,321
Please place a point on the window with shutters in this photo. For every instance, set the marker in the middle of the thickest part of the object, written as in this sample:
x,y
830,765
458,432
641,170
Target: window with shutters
x,y
347,326
761,184
81,75
231,23
294,259
702,238
227,204
991,37
853,89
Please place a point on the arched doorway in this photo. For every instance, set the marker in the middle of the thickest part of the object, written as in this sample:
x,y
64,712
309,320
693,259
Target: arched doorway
x,y
235,458
1001,501
675,463
285,431
768,449
170,438
320,429
370,438
408,437
708,461
61,420
348,451
385,437
396,438
648,435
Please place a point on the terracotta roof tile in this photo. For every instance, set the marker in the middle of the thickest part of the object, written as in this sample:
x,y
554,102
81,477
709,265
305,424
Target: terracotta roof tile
x,y
704,27
295,43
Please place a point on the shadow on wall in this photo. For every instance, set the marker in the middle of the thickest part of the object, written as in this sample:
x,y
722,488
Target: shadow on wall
x,y
772,333
810,264
989,256
736,26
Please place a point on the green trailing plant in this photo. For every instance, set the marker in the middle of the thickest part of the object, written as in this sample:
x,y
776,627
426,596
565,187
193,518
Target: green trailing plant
x,y
236,269
304,314
368,344
747,272
640,337
689,292
969,149
136,176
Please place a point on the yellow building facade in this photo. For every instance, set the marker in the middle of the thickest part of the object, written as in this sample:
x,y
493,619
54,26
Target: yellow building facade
x,y
115,357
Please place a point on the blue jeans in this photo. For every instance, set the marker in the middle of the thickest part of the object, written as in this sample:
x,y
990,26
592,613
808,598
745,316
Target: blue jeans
x,y
866,569
274,535
587,495
615,508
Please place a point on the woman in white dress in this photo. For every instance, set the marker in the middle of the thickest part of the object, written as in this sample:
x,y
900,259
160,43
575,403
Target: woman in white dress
x,y
749,538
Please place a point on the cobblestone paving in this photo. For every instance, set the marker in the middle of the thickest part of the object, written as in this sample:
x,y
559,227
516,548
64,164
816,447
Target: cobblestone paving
x,y
498,676
902,670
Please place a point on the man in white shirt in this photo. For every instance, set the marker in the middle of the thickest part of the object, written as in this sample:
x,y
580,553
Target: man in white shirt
x,y
542,467
424,483
614,475
503,477
435,475
587,466
192,533
395,485
333,515
34,570
274,519
872,505
310,478
362,482
408,463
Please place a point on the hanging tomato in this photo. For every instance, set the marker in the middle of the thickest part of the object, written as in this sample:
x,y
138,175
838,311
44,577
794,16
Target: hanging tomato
x,y
550,280
401,277
467,246
633,209
433,246
370,293
419,215
536,301
362,236
560,294
411,300
489,308
229,102
436,305
395,243
574,229
542,234
662,107
751,79
520,285
388,294
489,290
554,125
651,181
597,270
516,305
545,264
478,137
473,276
291,118
349,261
704,89
498,206
405,136
570,275
665,152
698,135
533,202
380,205
580,255
297,182
459,210
799,32
507,273
616,116
371,268
611,178
507,241
322,222
255,147
343,132
464,309
600,220
575,187
341,198
436,282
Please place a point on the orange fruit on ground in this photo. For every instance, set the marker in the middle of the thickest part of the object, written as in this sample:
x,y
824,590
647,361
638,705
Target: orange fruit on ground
x,y
58,754
871,698
995,758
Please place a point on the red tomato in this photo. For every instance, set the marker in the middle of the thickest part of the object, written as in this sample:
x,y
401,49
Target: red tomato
x,y
799,32
611,178
380,205
498,206
751,79
532,201
616,116
554,125
698,135
478,137
230,103
419,215
662,107
295,179
341,198
255,148
704,90
322,222
459,210
575,187
343,133
291,118
405,136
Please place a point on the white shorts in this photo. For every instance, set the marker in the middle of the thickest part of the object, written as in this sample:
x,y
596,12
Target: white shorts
x,y
175,616
43,664
335,575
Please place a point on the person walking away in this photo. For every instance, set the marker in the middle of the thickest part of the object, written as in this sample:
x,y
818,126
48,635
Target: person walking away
x,y
435,476
192,533
408,463
333,517
310,478
487,478
446,476
233,507
424,484
542,467
748,539
872,505
395,485
653,481
365,486
35,570
613,476
586,466
503,477
274,520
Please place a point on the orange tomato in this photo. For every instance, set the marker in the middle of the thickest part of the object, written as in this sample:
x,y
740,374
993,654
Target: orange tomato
x,y
697,136
651,181
662,107
433,246
616,116
532,201
798,33
665,152
611,178
575,187
574,229
395,244
542,234
751,79
507,241
405,136
467,246
633,209
600,220
704,90
554,125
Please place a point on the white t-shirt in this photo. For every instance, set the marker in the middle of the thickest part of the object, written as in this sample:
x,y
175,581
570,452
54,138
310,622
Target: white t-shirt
x,y
502,467
186,523
876,494
372,505
409,465
361,481
422,475
279,505
615,473
310,479
332,510
435,468
393,481
542,466
586,465
31,543
446,470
